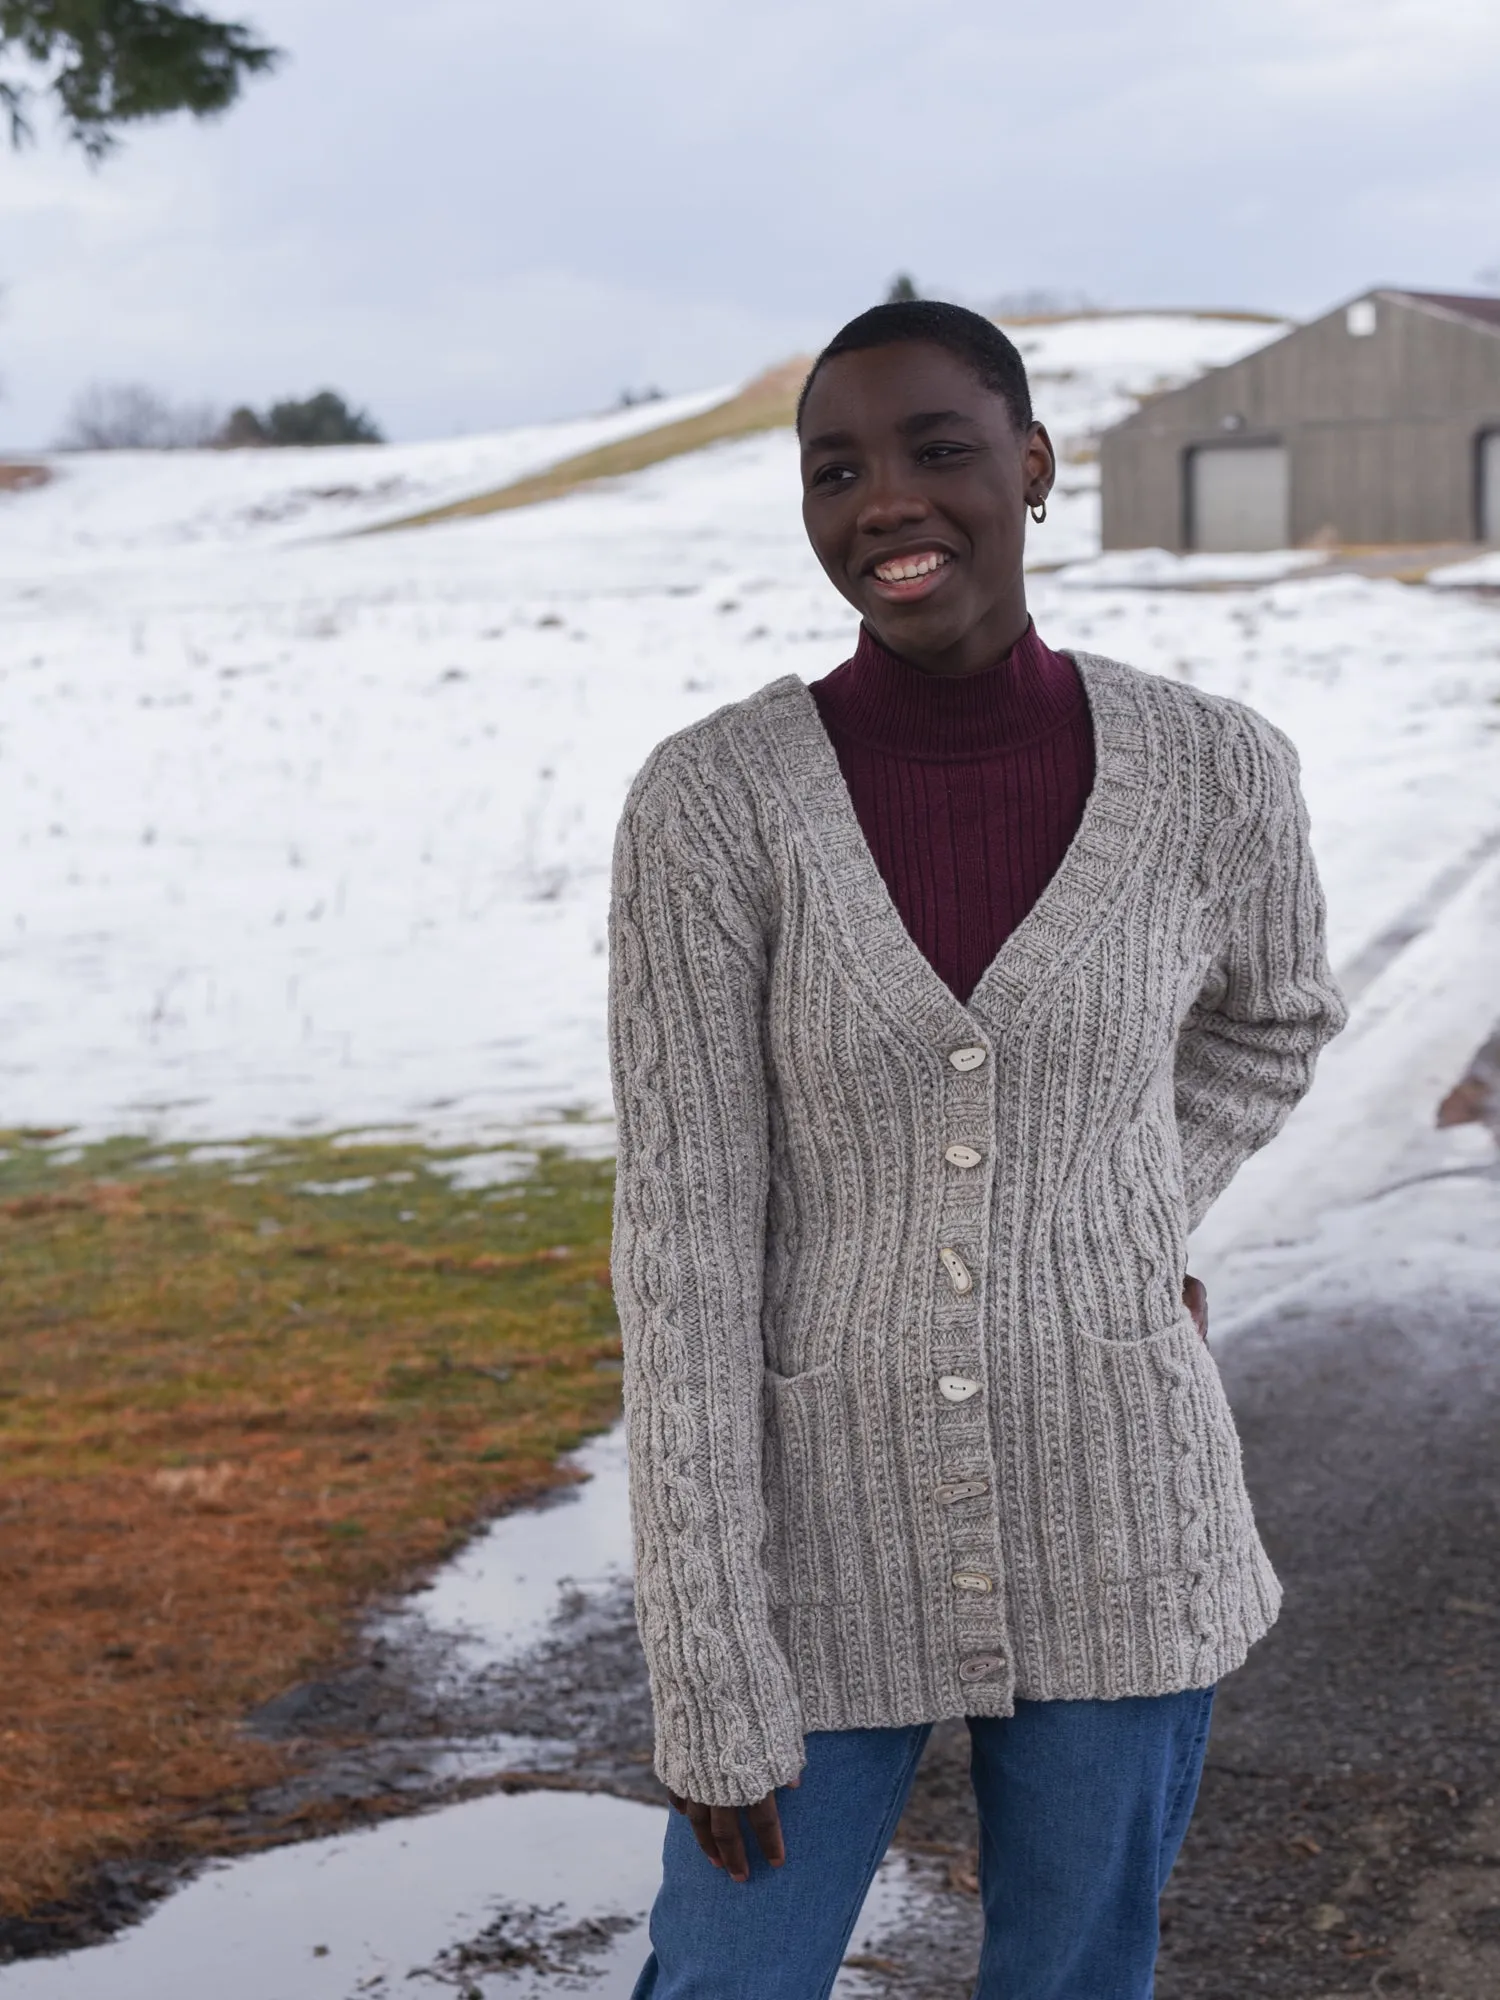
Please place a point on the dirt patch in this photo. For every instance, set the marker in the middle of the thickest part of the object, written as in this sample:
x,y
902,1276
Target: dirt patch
x,y
526,1941
234,1414
16,477
1475,1098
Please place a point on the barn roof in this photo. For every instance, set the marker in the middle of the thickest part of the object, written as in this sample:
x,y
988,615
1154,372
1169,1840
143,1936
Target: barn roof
x,y
1485,310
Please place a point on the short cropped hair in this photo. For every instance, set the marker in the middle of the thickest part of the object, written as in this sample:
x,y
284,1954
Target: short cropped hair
x,y
971,338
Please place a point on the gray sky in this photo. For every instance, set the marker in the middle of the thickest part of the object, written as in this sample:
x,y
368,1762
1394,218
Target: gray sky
x,y
467,213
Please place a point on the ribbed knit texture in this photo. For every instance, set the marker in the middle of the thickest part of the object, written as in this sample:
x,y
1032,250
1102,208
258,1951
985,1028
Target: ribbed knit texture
x,y
967,790
799,1262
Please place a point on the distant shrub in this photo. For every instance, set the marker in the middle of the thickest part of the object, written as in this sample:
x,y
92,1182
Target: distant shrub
x,y
321,419
242,427
129,416
903,290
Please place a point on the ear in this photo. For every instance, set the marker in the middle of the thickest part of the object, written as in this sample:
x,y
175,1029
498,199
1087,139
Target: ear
x,y
1039,465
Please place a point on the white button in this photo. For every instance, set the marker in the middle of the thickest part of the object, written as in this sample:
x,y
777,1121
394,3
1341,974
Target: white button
x,y
962,1156
958,1271
967,1058
982,1667
972,1579
962,1489
958,1388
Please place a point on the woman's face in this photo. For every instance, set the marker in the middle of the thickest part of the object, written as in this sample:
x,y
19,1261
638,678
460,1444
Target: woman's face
x,y
915,484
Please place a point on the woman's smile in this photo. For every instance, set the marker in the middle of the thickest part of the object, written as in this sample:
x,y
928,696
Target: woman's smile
x,y
901,579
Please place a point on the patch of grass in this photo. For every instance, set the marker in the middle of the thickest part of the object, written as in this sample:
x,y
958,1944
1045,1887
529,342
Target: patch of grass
x,y
234,1412
768,403
16,477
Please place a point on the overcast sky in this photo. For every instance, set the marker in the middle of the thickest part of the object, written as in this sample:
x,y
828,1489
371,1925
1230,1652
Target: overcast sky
x,y
467,213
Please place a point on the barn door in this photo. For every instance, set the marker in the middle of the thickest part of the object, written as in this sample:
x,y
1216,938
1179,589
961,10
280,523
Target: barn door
x,y
1489,487
1239,497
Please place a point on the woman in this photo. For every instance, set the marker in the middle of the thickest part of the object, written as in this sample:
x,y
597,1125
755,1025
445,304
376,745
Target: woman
x,y
947,995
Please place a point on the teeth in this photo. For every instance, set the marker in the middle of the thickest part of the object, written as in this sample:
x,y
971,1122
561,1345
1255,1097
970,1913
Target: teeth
x,y
908,568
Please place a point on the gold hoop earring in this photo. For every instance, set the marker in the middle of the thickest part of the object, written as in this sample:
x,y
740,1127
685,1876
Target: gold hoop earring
x,y
1038,511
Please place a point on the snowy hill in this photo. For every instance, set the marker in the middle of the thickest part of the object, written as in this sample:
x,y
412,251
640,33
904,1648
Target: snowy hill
x,y
99,504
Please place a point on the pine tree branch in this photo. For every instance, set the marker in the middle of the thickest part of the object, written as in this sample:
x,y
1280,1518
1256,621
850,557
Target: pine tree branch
x,y
120,62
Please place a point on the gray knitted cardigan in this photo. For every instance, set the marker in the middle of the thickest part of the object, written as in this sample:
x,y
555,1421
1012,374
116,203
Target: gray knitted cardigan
x,y
917,1422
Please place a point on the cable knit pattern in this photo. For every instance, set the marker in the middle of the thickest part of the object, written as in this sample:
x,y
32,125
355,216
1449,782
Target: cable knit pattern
x,y
826,1538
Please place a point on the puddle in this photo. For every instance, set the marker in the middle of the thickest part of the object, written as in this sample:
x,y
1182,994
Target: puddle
x,y
500,1595
518,1893
373,1913
540,1893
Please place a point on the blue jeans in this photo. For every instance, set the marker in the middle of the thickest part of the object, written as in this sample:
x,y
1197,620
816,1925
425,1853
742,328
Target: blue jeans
x,y
1082,1808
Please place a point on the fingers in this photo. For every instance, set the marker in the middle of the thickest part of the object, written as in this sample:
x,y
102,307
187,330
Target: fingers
x,y
724,1821
718,1833
765,1824
699,1819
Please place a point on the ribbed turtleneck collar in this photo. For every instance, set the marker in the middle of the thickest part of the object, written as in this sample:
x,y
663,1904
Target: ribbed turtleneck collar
x,y
884,702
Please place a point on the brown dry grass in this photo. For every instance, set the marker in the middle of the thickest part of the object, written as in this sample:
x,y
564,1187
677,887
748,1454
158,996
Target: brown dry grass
x,y
768,403
17,477
1234,313
232,1413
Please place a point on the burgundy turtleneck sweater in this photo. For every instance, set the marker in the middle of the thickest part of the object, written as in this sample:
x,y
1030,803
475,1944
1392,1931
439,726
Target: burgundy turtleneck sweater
x,y
968,790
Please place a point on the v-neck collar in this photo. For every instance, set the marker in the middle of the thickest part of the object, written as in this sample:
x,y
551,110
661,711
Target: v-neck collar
x,y
1069,912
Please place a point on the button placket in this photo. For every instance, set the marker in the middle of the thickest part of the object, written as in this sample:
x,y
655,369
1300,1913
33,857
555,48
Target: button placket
x,y
972,1570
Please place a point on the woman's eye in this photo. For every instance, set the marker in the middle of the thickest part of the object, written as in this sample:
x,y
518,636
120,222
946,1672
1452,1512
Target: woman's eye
x,y
929,452
832,475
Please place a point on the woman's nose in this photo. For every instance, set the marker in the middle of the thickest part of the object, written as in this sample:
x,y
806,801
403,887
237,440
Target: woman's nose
x,y
888,507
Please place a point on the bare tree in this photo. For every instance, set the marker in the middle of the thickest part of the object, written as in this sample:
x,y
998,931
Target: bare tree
x,y
129,416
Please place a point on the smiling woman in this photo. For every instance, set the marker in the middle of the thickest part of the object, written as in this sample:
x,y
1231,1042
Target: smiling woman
x,y
923,505
947,995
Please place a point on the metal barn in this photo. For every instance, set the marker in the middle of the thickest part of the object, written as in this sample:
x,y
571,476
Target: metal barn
x,y
1378,423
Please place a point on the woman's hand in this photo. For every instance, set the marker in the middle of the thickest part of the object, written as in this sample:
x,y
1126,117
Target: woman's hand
x,y
717,1830
1195,1298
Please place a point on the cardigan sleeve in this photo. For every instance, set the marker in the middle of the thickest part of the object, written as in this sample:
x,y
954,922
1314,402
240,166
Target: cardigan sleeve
x,y
1246,1052
687,977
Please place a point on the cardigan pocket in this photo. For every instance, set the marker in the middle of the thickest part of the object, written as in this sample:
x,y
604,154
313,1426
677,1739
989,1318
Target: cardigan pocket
x,y
812,1482
1163,1464
1127,1216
